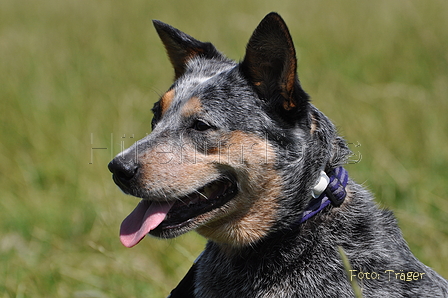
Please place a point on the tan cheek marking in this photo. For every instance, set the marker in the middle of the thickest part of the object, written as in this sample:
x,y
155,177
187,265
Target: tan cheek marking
x,y
191,107
166,100
251,214
250,218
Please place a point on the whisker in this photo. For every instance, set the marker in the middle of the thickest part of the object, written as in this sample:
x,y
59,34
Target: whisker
x,y
180,199
201,194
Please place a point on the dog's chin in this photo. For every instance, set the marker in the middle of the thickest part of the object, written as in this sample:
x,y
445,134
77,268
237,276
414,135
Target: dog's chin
x,y
197,208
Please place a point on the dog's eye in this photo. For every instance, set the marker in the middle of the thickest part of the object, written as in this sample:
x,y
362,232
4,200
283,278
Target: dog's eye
x,y
200,125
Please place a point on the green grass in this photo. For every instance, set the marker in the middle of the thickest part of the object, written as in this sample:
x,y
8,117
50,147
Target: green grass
x,y
348,269
78,74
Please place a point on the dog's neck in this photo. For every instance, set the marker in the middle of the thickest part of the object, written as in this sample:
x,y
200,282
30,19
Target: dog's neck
x,y
330,189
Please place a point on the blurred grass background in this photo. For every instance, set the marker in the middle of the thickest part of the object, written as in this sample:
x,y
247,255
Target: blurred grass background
x,y
82,74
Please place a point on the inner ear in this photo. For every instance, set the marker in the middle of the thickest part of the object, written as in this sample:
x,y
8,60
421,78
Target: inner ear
x,y
181,47
270,63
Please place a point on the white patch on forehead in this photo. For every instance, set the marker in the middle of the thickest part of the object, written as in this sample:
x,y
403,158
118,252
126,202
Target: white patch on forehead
x,y
199,72
188,85
204,69
193,81
201,80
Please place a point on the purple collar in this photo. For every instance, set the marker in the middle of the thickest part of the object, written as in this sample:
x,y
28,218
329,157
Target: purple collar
x,y
334,193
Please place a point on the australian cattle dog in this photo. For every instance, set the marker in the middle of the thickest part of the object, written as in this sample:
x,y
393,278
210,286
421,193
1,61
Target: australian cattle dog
x,y
239,154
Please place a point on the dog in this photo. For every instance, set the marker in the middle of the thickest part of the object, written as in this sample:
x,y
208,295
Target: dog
x,y
239,154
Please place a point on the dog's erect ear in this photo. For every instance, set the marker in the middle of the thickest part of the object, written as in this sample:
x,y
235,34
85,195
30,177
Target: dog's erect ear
x,y
181,47
270,63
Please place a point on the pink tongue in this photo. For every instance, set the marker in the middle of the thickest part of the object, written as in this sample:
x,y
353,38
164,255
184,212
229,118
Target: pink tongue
x,y
145,217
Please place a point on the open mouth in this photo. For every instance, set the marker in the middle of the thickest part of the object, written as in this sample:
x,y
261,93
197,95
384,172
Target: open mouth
x,y
152,215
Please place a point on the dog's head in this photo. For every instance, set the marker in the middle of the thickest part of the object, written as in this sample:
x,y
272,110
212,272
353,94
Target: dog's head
x,y
235,148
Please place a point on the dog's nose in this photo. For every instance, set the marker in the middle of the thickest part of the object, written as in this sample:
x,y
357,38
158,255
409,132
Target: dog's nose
x,y
124,170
